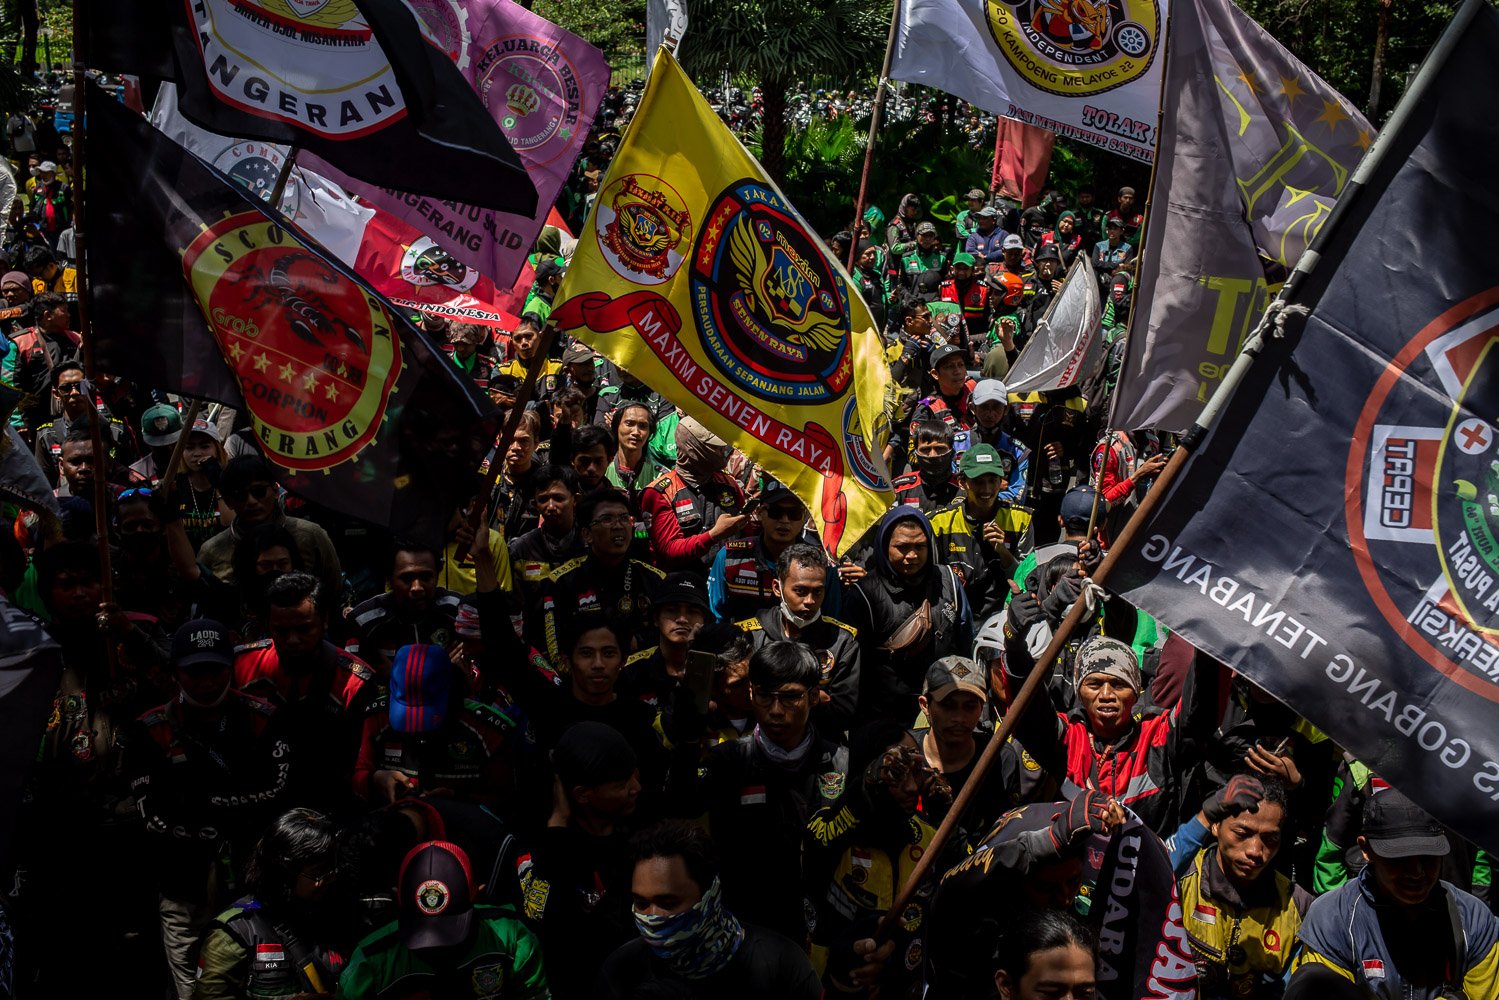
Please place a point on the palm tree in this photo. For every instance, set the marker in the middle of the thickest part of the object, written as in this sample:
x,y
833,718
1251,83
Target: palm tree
x,y
777,42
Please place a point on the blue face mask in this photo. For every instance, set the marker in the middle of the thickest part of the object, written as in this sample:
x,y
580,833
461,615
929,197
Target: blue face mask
x,y
699,941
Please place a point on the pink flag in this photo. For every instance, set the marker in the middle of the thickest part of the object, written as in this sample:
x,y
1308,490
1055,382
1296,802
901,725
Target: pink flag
x,y
1022,156
543,86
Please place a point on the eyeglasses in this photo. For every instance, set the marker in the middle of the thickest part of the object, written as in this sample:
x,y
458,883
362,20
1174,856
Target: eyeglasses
x,y
69,388
256,492
616,520
320,880
785,513
789,698
144,492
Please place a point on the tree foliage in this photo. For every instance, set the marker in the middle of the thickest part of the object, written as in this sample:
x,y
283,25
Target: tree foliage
x,y
609,24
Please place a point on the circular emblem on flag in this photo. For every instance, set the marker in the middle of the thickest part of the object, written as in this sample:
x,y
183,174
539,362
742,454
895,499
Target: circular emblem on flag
x,y
315,356
432,897
860,462
425,263
1076,48
256,166
642,223
255,54
771,310
1423,496
444,23
533,92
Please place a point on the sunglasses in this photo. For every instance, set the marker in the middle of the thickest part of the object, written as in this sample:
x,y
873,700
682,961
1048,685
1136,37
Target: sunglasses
x,y
69,388
785,513
257,492
143,492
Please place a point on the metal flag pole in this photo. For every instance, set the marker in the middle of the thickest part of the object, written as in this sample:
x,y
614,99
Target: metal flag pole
x,y
874,127
1269,326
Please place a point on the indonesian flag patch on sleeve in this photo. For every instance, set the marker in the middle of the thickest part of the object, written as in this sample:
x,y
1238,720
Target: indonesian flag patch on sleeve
x,y
752,795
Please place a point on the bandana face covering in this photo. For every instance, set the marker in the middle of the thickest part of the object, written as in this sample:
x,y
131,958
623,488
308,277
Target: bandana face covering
x,y
697,942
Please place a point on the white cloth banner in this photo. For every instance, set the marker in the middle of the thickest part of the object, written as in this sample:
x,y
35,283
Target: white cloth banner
x,y
1087,70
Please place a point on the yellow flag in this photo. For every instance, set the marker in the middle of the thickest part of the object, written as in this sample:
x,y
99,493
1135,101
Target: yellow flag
x,y
696,275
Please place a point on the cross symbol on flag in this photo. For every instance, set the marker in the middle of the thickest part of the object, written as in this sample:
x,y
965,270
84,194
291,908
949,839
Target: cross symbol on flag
x,y
1473,436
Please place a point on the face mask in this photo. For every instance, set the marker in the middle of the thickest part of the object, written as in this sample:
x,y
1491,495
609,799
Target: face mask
x,y
697,942
934,468
797,620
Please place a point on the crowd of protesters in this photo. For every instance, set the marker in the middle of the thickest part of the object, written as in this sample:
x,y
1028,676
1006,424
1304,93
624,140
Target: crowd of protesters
x,y
630,731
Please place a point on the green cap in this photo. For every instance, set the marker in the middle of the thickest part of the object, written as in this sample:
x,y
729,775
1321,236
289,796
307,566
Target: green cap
x,y
964,258
980,460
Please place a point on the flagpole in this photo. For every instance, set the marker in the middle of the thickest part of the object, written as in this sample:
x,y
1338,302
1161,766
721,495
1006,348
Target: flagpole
x,y
512,423
1268,326
85,330
874,126
283,177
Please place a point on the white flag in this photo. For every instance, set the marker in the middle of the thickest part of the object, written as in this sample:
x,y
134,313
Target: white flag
x,y
1086,69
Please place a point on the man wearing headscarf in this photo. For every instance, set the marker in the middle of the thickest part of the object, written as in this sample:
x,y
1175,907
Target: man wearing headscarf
x,y
693,508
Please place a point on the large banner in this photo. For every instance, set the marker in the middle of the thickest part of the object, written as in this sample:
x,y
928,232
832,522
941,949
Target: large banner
x,y
698,277
1336,538
542,85
1255,149
1088,70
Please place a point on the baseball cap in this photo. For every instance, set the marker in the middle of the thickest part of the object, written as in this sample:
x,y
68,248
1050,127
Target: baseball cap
x,y
161,425
202,641
577,354
925,227
421,685
980,460
205,428
1012,242
1048,252
942,352
681,588
1112,223
975,193
990,390
951,673
590,754
437,896
1398,828
964,258
1077,505
547,267
47,166
1102,655
772,489
987,212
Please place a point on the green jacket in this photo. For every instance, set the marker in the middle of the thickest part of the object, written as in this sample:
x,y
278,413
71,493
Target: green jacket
x,y
502,961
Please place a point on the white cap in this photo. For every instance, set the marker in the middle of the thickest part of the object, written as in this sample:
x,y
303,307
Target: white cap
x,y
990,390
1012,242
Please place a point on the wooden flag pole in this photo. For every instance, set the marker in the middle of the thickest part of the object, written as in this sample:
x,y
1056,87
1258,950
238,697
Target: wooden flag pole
x,y
874,127
281,179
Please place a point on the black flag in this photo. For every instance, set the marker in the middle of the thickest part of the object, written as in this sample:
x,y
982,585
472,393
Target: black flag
x,y
1336,537
353,84
198,288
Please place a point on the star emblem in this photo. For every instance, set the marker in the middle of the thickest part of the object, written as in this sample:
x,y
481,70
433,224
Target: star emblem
x,y
310,381
1249,81
331,391
565,132
262,362
1332,114
287,372
343,372
236,352
1290,88
1365,139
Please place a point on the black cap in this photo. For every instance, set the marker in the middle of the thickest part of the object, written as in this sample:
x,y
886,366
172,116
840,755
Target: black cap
x,y
590,754
547,267
437,896
682,588
1048,252
942,352
202,641
1077,506
1398,828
